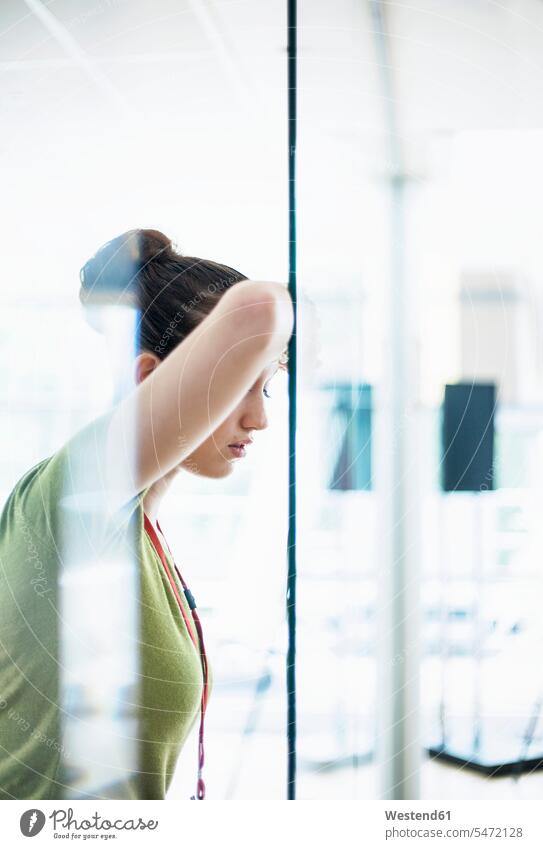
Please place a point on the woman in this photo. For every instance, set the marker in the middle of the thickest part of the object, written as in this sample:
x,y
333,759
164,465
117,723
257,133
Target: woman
x,y
208,343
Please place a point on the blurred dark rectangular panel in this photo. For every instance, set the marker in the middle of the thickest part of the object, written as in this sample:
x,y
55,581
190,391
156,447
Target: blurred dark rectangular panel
x,y
468,437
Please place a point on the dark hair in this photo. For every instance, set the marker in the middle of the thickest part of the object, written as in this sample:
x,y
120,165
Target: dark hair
x,y
172,292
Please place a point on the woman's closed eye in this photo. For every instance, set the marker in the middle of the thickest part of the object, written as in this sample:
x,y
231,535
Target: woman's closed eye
x,y
264,390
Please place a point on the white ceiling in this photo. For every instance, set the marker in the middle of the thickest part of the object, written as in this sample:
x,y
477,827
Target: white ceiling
x,y
176,111
455,63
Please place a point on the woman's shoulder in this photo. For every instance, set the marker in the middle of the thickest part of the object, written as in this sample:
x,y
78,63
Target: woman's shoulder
x,y
64,495
25,509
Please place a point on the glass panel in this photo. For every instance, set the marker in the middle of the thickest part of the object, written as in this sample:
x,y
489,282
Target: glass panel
x,y
419,266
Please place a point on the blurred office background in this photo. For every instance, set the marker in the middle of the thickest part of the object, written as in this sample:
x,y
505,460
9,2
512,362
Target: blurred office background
x,y
420,266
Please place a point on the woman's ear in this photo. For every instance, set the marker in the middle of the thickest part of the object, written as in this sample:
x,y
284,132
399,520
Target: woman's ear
x,y
145,363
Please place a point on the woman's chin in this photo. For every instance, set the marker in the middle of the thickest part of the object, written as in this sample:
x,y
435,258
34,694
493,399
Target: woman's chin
x,y
221,468
224,469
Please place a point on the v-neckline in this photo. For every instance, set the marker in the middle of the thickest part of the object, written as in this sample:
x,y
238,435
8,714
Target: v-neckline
x,y
174,581
161,537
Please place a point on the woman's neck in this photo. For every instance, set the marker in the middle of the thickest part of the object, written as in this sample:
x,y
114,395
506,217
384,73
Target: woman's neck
x,y
155,494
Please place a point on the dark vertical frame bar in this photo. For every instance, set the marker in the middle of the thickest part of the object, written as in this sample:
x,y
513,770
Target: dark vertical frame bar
x,y
291,579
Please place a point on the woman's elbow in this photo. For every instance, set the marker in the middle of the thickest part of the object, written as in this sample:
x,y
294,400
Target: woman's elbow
x,y
267,311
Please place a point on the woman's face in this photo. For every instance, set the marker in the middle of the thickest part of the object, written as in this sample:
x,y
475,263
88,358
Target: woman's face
x,y
214,458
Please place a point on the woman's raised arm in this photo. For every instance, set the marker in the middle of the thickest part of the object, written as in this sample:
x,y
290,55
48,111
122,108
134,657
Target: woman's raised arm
x,y
196,387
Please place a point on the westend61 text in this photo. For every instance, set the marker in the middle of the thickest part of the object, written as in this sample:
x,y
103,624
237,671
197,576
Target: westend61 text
x,y
418,815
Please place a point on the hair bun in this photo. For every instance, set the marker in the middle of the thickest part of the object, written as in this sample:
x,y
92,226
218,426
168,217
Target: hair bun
x,y
111,274
151,243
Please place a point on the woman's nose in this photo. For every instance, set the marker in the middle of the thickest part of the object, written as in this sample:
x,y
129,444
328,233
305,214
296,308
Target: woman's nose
x,y
255,415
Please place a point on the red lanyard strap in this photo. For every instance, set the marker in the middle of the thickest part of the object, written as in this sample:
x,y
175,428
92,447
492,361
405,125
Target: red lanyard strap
x,y
200,791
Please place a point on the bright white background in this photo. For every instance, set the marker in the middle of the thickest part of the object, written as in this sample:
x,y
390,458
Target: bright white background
x,y
172,115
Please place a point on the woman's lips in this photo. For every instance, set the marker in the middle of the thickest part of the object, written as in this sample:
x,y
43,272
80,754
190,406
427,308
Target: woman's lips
x,y
238,450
